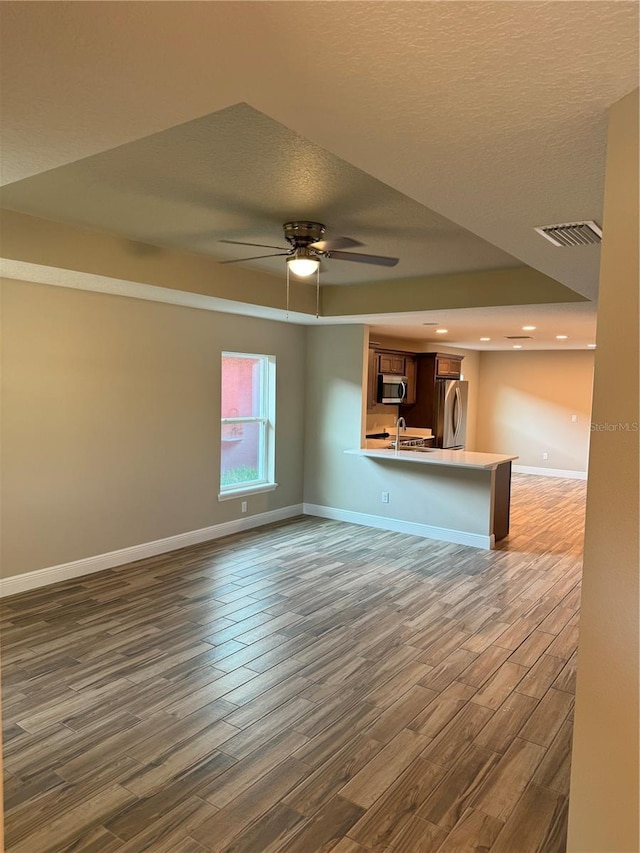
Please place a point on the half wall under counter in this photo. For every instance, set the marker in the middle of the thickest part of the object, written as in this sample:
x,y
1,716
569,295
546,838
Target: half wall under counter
x,y
456,495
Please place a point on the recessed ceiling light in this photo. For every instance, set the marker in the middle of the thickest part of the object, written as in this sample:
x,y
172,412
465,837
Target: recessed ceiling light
x,y
528,328
591,346
562,337
441,331
517,346
485,339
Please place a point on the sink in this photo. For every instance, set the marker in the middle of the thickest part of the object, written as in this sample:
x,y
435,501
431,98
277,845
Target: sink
x,y
406,442
409,446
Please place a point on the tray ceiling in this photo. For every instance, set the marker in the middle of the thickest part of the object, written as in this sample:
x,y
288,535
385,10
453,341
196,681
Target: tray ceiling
x,y
237,174
480,119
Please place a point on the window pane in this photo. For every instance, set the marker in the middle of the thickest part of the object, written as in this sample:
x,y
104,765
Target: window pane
x,y
247,453
242,459
241,380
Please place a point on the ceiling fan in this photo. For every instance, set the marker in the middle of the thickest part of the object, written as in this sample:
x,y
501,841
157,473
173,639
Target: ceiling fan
x,y
308,249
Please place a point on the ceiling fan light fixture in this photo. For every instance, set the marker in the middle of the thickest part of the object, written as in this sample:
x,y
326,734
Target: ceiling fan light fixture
x,y
303,263
307,250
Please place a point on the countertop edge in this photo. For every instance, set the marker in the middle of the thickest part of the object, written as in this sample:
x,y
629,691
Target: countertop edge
x,y
434,458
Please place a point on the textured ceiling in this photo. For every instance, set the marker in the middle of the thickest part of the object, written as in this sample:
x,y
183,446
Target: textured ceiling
x,y
492,114
237,174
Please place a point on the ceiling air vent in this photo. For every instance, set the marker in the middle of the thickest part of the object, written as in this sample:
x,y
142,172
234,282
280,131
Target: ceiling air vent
x,y
519,337
572,234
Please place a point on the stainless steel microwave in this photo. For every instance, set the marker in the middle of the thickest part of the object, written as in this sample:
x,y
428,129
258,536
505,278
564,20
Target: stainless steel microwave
x,y
391,388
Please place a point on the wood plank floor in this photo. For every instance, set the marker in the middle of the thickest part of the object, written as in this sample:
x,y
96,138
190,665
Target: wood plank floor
x,y
307,686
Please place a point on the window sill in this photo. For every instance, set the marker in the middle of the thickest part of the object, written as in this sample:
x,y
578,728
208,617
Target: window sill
x,y
242,492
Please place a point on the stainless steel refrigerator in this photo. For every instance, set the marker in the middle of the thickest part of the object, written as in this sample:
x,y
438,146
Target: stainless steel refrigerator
x,y
450,413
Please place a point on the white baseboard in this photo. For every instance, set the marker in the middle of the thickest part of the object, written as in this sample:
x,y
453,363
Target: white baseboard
x,y
427,531
550,472
67,571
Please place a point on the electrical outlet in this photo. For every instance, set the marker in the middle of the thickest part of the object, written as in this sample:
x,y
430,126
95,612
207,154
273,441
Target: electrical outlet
x,y
574,419
243,506
545,456
385,497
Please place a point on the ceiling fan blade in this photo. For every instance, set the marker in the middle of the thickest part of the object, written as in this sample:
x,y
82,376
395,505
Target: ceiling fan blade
x,y
255,258
259,245
335,243
377,260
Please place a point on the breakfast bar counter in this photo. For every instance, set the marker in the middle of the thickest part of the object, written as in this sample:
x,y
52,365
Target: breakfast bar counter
x,y
428,456
467,493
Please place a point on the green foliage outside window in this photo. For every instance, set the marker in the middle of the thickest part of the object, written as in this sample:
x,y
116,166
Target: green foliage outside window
x,y
241,474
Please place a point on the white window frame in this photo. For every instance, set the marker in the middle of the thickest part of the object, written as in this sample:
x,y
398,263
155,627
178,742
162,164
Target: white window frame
x,y
267,436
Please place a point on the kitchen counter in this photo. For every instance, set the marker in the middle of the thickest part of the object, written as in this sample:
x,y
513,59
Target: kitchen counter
x,y
469,493
451,458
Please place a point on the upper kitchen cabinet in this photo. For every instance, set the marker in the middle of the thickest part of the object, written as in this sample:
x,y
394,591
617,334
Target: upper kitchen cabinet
x,y
430,366
373,407
447,366
390,363
411,370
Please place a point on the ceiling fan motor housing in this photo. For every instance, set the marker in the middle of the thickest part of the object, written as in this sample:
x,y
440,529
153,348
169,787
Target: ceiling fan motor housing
x,y
304,239
301,234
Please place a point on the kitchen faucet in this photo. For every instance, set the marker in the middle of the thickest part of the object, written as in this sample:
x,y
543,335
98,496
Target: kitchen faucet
x,y
404,429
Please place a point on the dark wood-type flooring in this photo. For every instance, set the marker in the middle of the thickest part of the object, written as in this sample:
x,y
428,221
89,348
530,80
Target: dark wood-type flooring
x,y
307,686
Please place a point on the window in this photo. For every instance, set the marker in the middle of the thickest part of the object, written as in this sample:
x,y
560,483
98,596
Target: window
x,y
247,456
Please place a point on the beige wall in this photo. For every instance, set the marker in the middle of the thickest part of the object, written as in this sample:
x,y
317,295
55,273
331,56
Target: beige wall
x,y
57,246
525,404
603,809
110,421
450,498
515,286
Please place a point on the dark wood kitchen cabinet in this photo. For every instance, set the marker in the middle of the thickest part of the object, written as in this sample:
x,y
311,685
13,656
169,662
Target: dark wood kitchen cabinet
x,y
392,363
448,366
395,363
410,371
373,407
430,366
501,500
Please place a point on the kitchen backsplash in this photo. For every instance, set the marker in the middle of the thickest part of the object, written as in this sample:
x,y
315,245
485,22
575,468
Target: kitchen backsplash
x,y
379,424
376,423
